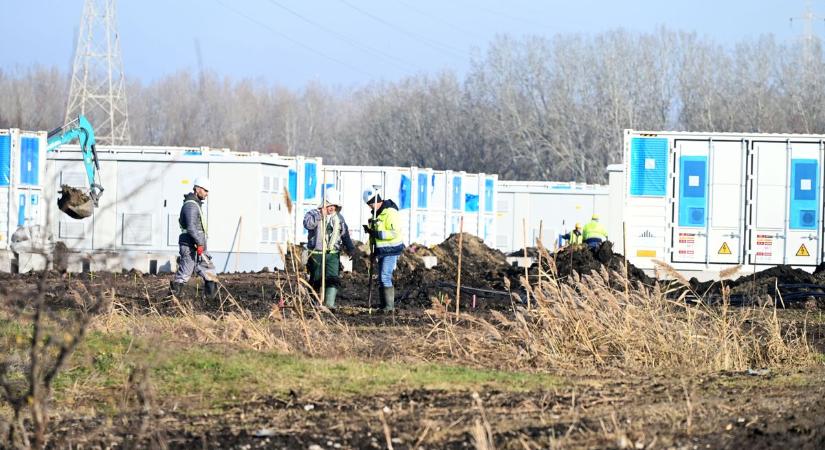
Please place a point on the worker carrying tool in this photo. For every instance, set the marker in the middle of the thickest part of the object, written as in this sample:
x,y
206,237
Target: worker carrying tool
x,y
594,233
325,244
192,242
384,229
574,237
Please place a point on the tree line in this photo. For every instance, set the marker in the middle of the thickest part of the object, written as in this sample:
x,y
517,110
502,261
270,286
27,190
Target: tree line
x,y
535,108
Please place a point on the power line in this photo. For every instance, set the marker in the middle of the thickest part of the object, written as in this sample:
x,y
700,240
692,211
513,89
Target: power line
x,y
397,62
294,41
429,42
437,18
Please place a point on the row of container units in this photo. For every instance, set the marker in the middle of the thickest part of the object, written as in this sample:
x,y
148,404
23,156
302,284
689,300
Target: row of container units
x,y
21,191
136,223
531,210
706,201
432,203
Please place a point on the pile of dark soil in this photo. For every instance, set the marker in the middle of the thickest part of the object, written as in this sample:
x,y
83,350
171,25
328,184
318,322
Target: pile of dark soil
x,y
582,260
782,283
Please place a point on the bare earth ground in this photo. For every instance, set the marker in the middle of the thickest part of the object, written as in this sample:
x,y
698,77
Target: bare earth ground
x,y
764,409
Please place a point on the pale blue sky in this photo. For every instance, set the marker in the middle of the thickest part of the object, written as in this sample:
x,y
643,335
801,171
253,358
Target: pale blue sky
x,y
293,42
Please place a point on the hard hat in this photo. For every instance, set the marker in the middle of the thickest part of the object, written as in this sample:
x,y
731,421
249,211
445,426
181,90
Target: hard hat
x,y
371,196
578,225
203,182
595,217
332,197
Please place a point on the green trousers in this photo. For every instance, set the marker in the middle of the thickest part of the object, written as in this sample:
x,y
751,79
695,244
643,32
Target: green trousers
x,y
333,265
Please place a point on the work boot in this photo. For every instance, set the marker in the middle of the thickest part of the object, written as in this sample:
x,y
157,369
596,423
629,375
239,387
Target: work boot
x,y
381,302
176,288
210,290
329,297
389,298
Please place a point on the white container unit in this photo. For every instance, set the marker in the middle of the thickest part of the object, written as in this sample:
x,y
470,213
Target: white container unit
x,y
136,223
431,202
304,187
21,196
705,201
527,210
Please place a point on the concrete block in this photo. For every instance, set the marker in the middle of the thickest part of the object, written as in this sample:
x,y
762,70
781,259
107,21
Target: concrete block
x,y
346,262
429,261
520,261
6,258
28,262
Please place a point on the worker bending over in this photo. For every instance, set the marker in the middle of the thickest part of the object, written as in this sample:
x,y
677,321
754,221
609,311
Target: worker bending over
x,y
594,233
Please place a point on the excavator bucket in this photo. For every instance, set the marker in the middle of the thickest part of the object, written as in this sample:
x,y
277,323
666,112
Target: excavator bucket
x,y
74,203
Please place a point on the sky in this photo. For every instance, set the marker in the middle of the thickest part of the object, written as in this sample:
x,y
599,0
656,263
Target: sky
x,y
355,42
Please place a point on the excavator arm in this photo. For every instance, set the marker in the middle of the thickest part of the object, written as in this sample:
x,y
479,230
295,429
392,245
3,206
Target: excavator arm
x,y
75,204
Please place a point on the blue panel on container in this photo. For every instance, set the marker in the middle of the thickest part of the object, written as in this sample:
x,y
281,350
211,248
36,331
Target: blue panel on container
x,y
489,186
293,184
422,190
456,192
648,166
29,160
310,180
5,160
693,191
405,193
804,210
471,203
21,210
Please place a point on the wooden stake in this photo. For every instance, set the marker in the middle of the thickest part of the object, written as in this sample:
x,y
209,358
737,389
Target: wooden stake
x,y
526,273
539,245
458,275
624,253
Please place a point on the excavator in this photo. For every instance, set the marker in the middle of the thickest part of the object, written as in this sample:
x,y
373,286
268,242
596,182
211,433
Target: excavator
x,y
74,203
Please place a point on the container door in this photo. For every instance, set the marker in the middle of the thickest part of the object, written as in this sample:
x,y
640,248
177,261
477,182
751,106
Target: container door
x,y
804,205
690,201
784,203
726,198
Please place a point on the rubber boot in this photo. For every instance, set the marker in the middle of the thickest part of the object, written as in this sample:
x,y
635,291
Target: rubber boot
x,y
329,297
210,290
175,288
389,298
381,302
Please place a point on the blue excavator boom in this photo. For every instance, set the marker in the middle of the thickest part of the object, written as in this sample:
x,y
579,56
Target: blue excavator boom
x,y
81,130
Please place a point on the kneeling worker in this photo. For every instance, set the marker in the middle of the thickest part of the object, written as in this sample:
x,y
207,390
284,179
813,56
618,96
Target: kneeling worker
x,y
594,233
325,245
574,237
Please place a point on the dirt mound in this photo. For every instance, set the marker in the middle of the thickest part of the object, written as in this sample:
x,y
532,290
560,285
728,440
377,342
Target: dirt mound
x,y
767,285
583,260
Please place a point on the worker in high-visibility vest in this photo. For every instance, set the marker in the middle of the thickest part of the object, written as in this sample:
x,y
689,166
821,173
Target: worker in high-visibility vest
x,y
574,237
384,230
594,233
192,242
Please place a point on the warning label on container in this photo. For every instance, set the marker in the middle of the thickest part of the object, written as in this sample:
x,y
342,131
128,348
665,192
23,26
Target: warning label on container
x,y
764,245
803,251
724,249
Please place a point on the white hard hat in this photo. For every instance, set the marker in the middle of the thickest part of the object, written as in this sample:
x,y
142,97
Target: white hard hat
x,y
371,196
332,197
203,182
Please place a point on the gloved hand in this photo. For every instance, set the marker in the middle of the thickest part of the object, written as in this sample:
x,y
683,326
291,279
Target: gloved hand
x,y
373,222
199,250
371,232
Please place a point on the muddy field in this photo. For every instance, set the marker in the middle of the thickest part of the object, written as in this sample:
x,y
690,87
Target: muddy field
x,y
748,409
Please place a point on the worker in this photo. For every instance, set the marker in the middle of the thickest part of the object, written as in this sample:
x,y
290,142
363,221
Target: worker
x,y
384,230
594,233
192,242
574,237
325,245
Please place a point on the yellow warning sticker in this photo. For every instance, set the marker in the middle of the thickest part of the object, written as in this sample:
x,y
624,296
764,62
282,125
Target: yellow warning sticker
x,y
724,249
802,251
